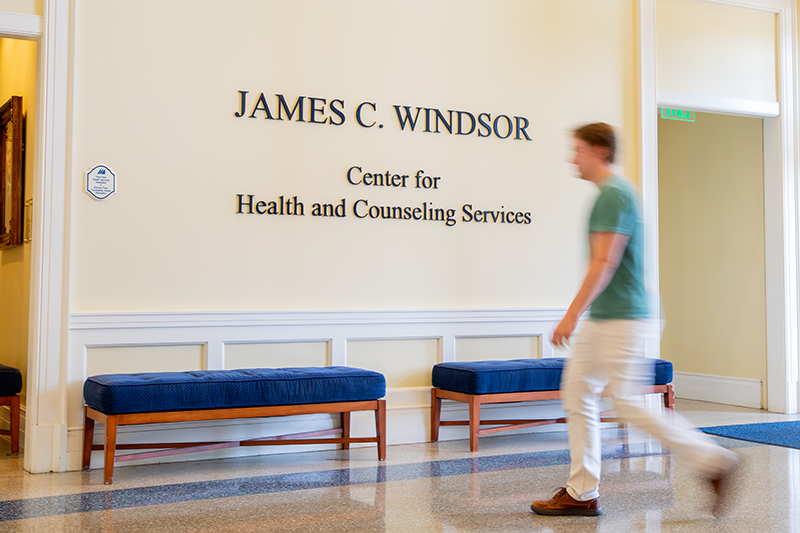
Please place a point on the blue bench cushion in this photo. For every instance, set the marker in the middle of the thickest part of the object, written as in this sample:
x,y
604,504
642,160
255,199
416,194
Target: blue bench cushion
x,y
488,377
221,389
10,380
518,375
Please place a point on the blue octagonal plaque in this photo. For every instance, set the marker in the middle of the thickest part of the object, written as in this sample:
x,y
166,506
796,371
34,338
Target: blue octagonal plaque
x,y
101,182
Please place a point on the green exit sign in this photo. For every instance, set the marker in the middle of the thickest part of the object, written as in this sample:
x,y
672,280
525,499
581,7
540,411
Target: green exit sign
x,y
677,114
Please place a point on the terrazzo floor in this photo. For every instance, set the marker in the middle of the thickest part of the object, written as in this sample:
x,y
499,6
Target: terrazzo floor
x,y
420,488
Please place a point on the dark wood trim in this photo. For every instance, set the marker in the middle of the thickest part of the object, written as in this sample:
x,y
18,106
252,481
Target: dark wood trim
x,y
243,412
14,205
474,402
13,431
533,423
112,422
380,429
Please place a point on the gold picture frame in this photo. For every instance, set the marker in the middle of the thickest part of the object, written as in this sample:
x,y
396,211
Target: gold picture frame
x,y
12,133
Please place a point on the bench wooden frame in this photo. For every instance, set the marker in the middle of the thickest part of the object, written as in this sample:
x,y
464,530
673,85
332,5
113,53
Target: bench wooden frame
x,y
476,400
13,401
112,422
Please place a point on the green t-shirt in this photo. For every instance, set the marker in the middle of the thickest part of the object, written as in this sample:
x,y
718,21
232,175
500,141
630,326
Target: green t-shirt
x,y
617,211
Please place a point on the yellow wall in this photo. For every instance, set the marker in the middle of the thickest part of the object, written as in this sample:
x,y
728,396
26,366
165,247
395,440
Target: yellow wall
x,y
161,115
17,77
711,223
710,48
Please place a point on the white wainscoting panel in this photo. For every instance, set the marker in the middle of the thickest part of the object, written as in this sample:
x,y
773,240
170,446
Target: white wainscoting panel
x,y
718,389
408,417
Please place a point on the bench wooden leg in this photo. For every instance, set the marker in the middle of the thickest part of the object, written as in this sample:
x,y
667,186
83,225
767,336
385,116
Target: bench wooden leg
x,y
436,415
345,420
88,438
669,401
110,448
15,425
474,421
380,429
669,397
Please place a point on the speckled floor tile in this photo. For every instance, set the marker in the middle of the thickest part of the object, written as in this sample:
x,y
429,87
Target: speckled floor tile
x,y
426,487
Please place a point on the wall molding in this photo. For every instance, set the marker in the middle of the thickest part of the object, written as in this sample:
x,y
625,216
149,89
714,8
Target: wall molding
x,y
46,424
718,389
101,321
717,104
21,26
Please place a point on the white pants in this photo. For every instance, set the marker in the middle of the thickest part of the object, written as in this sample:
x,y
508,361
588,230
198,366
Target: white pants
x,y
608,356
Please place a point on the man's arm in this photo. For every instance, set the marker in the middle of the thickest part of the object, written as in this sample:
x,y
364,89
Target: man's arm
x,y
606,249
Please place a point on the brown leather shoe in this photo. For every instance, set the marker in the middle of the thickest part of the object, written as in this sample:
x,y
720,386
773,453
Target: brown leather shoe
x,y
564,504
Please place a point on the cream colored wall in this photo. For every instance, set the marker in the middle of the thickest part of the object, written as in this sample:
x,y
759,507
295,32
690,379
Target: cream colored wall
x,y
160,113
711,223
26,7
17,77
125,359
501,348
276,354
710,48
405,363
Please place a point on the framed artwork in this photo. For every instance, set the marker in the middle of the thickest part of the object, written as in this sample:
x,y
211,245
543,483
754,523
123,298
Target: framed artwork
x,y
11,172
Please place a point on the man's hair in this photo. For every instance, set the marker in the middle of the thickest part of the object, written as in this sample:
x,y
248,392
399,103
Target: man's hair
x,y
598,134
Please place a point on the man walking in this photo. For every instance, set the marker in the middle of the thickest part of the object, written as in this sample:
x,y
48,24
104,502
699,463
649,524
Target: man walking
x,y
608,349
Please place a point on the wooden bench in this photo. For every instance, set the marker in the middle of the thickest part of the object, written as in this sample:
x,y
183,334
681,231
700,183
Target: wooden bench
x,y
156,398
523,380
10,387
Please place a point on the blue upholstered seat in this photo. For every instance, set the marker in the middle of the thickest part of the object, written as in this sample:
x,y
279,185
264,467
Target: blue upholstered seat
x,y
10,381
518,375
221,389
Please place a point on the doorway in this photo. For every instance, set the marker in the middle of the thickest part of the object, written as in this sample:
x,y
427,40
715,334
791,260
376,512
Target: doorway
x,y
712,257
18,67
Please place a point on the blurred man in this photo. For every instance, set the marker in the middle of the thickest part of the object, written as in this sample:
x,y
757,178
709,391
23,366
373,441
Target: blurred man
x,y
608,349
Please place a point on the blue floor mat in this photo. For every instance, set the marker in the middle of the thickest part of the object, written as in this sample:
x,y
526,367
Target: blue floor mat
x,y
775,433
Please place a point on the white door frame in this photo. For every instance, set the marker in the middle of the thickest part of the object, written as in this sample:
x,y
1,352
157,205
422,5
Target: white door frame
x,y
780,185
45,409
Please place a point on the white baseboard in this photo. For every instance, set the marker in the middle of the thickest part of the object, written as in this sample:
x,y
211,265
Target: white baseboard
x,y
718,389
